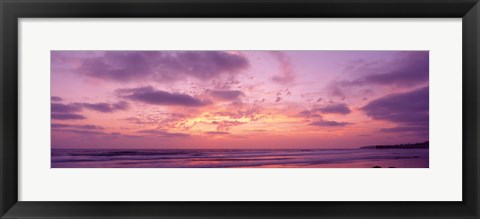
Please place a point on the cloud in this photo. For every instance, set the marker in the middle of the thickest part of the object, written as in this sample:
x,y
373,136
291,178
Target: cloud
x,y
254,114
278,99
309,114
56,99
65,108
335,108
325,123
67,116
99,107
407,69
165,119
157,97
161,66
339,108
405,108
225,125
62,126
227,94
287,74
82,132
400,129
162,133
218,133
86,131
106,107
335,90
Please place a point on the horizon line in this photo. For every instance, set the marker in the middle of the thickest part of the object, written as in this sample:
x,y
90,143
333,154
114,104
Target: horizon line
x,y
358,147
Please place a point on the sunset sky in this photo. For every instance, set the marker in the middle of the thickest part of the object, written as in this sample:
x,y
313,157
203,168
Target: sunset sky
x,y
238,99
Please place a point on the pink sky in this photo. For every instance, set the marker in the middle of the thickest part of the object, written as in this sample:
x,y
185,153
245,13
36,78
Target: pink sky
x,y
238,99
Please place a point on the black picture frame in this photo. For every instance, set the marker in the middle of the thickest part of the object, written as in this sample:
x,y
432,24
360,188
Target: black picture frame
x,y
12,10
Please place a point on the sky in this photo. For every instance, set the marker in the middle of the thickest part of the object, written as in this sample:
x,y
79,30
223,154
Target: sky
x,y
238,99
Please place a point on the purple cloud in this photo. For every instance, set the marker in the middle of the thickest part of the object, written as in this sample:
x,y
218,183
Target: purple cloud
x,y
335,90
408,69
62,126
56,99
225,125
399,129
162,133
100,107
157,97
218,133
325,123
334,108
287,74
166,119
339,108
227,94
106,107
65,108
309,114
254,114
157,65
87,131
67,116
405,108
82,132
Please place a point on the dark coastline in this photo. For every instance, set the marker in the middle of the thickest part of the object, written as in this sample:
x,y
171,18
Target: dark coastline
x,y
421,145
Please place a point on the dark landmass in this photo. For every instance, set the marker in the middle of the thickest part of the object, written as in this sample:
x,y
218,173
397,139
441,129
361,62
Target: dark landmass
x,y
399,146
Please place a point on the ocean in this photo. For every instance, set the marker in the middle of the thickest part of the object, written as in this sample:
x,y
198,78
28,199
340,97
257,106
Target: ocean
x,y
239,158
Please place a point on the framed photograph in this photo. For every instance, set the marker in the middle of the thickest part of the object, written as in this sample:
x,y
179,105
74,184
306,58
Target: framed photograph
x,y
255,109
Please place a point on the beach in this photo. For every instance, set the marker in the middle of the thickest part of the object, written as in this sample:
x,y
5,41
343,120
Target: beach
x,y
240,158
